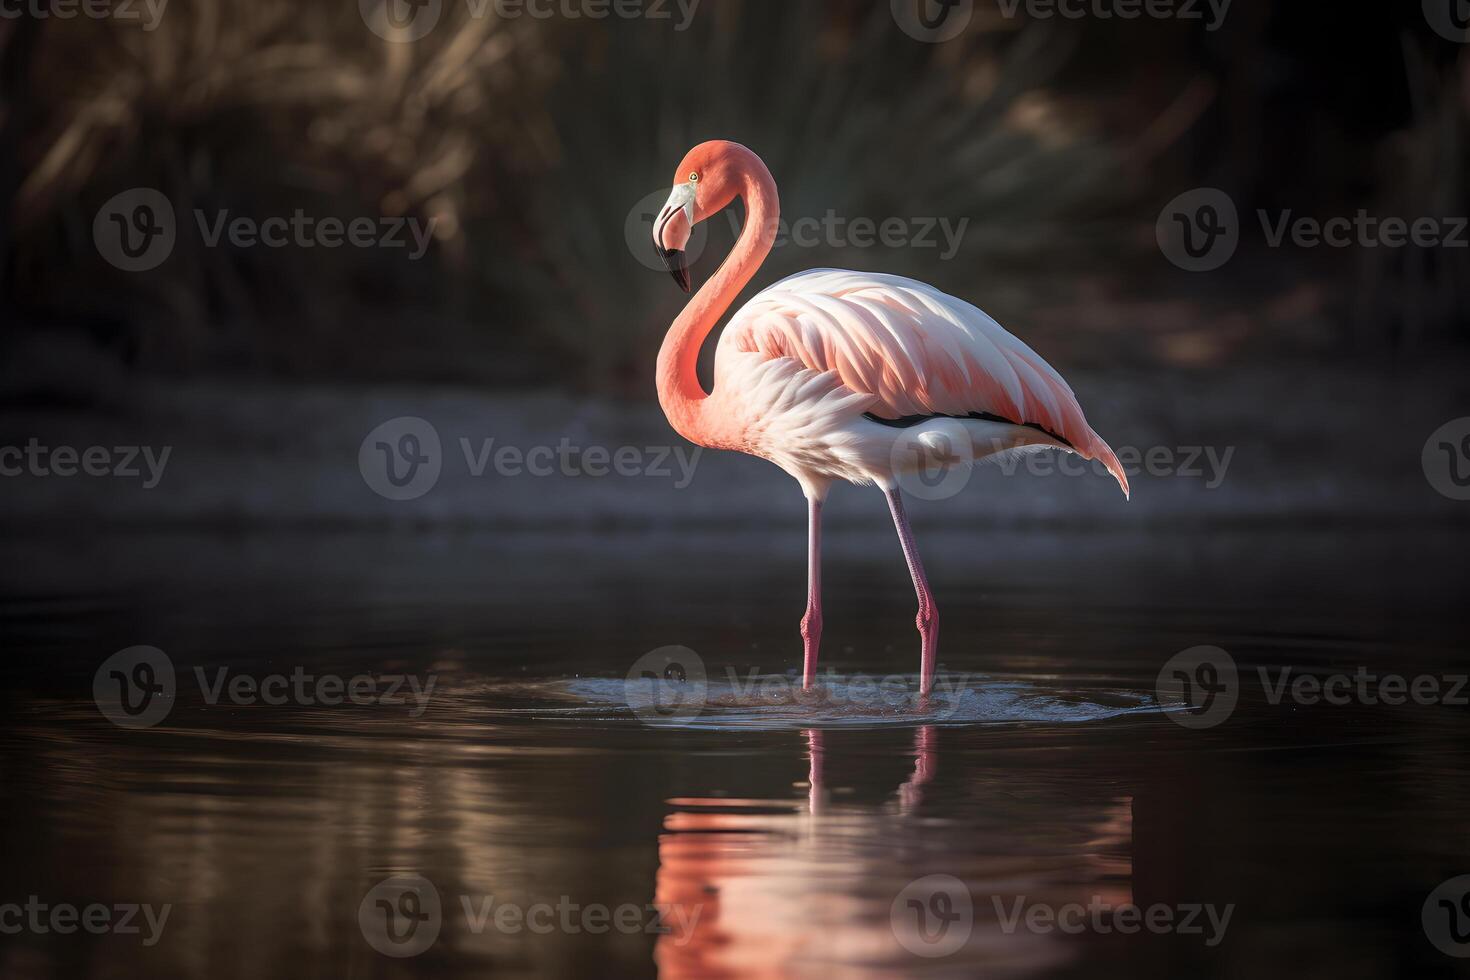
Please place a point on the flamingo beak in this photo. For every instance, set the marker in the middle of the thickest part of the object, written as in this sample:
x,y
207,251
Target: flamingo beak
x,y
671,231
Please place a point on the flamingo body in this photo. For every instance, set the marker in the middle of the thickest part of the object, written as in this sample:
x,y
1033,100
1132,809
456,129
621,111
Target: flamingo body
x,y
811,365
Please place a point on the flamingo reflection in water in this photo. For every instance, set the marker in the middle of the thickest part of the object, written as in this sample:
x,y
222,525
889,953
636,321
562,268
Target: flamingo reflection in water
x,y
785,886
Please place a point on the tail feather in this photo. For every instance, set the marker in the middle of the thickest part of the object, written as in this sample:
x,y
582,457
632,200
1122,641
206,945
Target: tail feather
x,y
1099,450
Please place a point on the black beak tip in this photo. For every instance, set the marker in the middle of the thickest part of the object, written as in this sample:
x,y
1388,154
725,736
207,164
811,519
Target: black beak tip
x,y
674,262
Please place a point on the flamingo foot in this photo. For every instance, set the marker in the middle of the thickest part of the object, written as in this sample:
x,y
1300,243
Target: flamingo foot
x,y
811,641
928,623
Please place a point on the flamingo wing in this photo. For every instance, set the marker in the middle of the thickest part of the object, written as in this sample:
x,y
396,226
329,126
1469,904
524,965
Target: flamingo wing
x,y
919,352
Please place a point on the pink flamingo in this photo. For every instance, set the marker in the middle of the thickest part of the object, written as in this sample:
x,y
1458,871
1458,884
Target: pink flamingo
x,y
823,372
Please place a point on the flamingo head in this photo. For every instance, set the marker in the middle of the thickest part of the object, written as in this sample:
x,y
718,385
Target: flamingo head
x,y
704,184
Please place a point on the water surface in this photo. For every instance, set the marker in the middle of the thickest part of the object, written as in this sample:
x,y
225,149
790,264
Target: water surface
x,y
774,834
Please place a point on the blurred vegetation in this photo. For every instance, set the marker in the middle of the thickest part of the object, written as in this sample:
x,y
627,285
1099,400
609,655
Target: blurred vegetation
x,y
1420,292
528,141
261,109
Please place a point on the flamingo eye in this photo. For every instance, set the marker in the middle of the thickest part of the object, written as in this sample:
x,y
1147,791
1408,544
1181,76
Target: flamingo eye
x,y
694,177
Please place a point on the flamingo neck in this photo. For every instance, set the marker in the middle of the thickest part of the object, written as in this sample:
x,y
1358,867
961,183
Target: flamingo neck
x,y
679,392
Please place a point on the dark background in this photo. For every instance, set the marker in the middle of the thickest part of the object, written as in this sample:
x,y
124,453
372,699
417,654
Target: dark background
x,y
538,308
530,139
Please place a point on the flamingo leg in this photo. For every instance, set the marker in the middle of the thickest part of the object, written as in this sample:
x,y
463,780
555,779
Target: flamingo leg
x,y
928,618
811,623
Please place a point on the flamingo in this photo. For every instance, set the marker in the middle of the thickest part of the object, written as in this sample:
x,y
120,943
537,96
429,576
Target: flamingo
x,y
826,371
